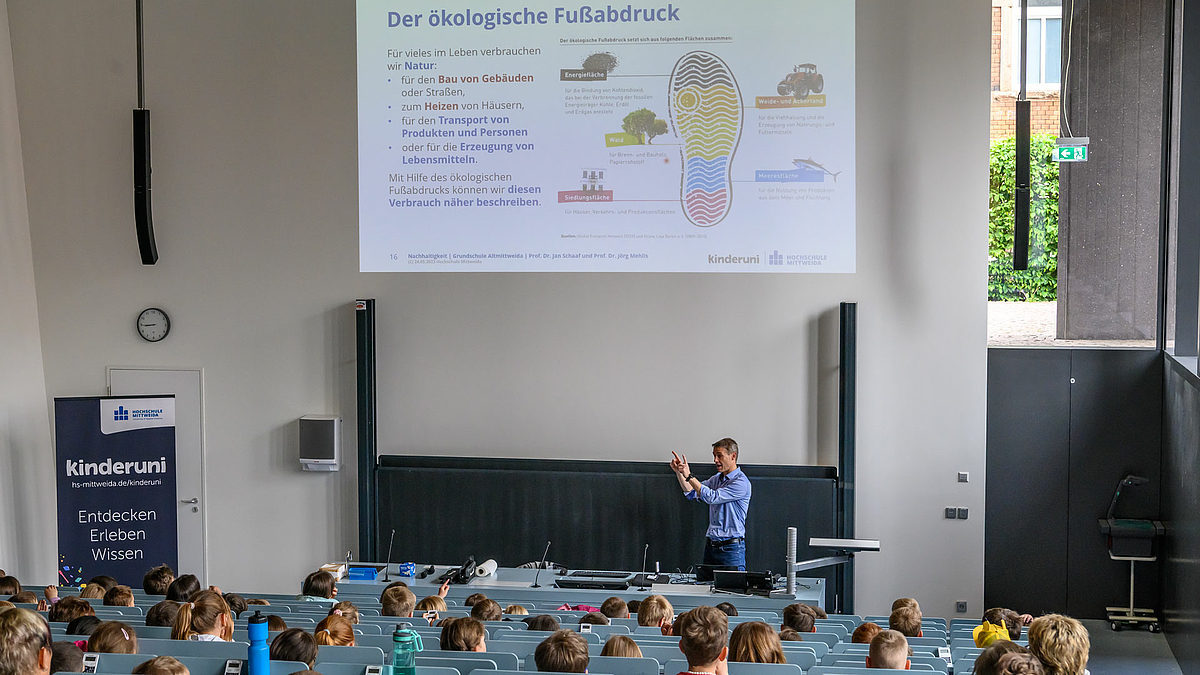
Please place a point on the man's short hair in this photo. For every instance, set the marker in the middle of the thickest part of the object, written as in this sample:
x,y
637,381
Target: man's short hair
x,y
1060,643
24,598
1019,664
705,633
728,608
905,602
797,617
487,610
158,580
889,649
594,618
565,651
985,663
654,610
615,608
728,445
398,601
865,633
119,596
162,614
474,598
906,620
67,658
1000,616
462,634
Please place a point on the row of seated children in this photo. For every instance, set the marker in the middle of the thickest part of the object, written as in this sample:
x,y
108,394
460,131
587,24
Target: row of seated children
x,y
1058,644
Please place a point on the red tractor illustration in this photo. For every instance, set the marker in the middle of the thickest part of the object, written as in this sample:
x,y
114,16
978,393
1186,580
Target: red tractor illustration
x,y
803,79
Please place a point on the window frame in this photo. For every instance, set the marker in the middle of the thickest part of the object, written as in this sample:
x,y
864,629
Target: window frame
x,y
1040,14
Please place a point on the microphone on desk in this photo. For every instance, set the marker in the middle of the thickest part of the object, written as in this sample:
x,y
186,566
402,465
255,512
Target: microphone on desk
x,y
388,563
642,583
540,566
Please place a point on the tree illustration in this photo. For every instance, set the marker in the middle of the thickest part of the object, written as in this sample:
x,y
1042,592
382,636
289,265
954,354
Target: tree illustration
x,y
600,62
659,128
643,123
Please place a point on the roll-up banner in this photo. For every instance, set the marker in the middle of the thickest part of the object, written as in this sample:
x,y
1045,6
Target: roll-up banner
x,y
116,487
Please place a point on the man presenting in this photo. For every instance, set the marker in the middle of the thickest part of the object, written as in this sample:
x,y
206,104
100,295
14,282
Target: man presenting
x,y
727,494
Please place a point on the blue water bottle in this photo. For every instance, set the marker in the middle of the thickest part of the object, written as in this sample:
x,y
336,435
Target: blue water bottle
x,y
405,645
258,657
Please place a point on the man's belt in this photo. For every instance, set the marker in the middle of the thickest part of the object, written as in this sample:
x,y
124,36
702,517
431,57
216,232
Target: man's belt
x,y
722,542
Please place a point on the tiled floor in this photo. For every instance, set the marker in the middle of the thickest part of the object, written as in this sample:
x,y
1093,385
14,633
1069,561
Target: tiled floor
x,y
1129,652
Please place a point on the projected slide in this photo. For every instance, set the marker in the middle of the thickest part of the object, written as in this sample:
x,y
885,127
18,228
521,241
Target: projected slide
x,y
678,137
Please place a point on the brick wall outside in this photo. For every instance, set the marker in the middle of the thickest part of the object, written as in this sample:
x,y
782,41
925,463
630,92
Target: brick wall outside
x,y
1043,111
997,26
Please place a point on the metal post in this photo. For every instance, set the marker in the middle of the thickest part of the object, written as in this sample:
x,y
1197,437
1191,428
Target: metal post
x,y
847,422
1131,564
1187,208
1164,195
790,552
141,61
364,326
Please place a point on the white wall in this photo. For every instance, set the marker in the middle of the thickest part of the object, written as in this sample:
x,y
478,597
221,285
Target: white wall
x,y
255,193
26,479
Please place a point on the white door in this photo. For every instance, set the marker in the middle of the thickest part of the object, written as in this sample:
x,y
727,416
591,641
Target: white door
x,y
188,387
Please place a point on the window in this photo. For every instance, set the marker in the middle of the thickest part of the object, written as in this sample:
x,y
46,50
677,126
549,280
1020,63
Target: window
x,y
1093,274
1043,56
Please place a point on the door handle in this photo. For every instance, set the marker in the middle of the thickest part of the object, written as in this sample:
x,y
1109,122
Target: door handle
x,y
193,500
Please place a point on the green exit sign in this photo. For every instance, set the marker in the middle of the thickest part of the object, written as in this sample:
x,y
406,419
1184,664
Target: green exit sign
x,y
1071,153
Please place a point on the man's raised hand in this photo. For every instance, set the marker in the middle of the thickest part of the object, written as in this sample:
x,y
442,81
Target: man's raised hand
x,y
680,464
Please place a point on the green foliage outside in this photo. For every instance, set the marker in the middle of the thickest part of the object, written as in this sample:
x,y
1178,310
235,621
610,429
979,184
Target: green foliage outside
x,y
1040,281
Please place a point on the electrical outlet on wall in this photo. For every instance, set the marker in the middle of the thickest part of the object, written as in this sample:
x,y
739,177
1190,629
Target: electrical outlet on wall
x,y
960,607
964,477
962,513
951,513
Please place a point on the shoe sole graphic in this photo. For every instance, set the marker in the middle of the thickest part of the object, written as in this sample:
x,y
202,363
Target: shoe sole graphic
x,y
706,114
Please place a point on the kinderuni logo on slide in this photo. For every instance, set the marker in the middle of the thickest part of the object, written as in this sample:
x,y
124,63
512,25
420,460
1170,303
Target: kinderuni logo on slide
x,y
734,260
78,467
121,414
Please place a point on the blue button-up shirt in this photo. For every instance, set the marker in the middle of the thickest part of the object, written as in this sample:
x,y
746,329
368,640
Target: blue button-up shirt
x,y
728,499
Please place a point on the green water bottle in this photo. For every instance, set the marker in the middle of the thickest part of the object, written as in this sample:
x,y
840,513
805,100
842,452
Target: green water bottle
x,y
405,645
